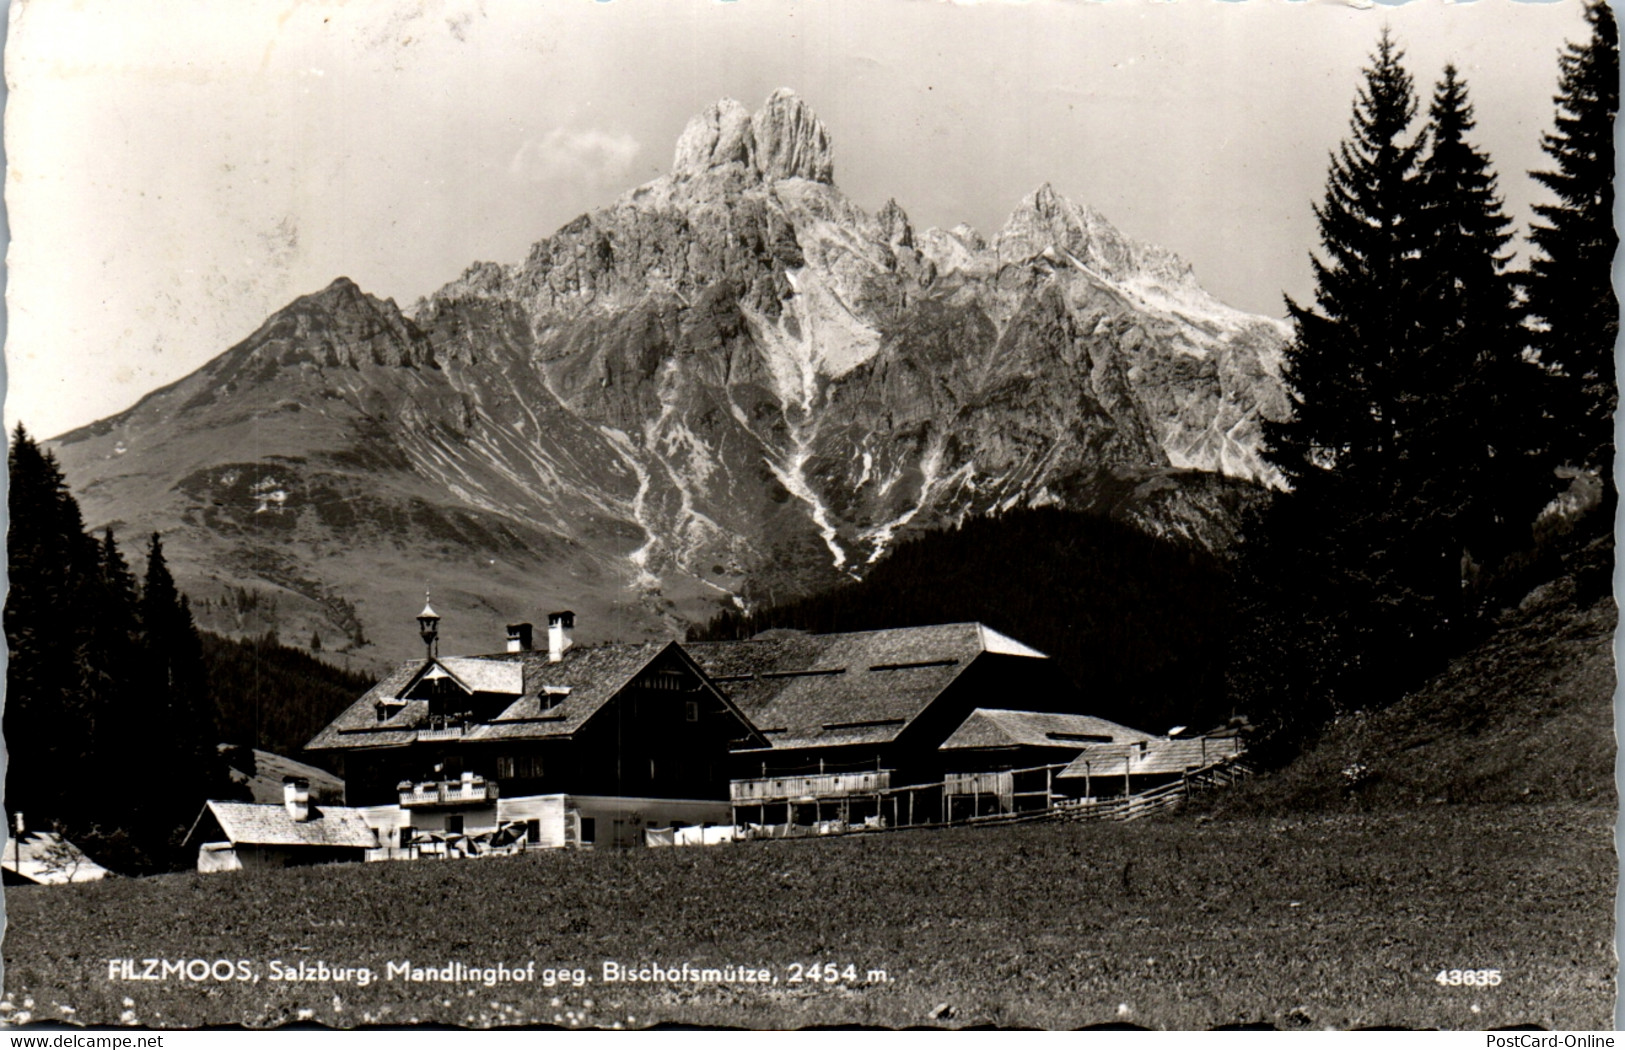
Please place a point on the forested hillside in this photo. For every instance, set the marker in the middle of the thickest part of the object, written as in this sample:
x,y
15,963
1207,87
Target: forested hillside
x,y
111,687
273,697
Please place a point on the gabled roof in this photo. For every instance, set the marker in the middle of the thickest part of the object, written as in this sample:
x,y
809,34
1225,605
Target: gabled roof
x,y
49,860
861,687
555,699
989,727
261,824
480,675
1158,756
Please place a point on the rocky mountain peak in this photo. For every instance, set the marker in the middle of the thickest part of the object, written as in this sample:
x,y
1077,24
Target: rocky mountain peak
x,y
720,135
783,140
894,224
341,325
791,142
1046,223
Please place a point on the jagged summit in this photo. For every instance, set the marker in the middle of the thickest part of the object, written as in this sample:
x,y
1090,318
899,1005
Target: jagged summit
x,y
729,382
783,140
1045,222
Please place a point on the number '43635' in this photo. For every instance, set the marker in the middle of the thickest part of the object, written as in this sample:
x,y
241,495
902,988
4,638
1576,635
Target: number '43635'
x,y
1469,978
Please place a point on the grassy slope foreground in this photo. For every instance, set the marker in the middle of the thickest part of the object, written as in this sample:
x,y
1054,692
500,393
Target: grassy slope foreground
x,y
1336,920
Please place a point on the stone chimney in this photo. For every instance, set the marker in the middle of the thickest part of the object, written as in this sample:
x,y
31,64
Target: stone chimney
x,y
296,797
519,635
560,634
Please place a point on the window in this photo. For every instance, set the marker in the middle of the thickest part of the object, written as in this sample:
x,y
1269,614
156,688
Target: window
x,y
589,829
691,710
533,832
454,824
521,767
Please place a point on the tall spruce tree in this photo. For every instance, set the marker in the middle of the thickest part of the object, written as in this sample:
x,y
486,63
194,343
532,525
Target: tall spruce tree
x,y
1472,477
180,735
51,567
1338,365
1329,595
110,680
1573,312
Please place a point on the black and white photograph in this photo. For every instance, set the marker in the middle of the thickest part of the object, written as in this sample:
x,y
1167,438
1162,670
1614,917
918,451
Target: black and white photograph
x,y
772,514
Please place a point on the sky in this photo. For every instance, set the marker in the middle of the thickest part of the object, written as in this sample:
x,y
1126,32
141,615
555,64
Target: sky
x,y
180,169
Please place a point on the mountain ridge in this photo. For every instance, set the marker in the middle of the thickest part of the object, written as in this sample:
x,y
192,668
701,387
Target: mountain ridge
x,y
731,383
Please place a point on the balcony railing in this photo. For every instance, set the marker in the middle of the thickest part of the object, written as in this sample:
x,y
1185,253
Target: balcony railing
x,y
450,732
447,792
821,785
1000,784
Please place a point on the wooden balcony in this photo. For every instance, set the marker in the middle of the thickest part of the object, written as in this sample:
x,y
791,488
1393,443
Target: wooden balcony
x,y
451,732
818,785
464,792
1001,784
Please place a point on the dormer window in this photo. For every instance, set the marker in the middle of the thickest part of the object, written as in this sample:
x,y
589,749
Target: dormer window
x,y
553,695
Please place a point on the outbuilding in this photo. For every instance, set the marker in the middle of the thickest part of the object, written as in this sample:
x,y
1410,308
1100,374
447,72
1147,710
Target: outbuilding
x,y
230,836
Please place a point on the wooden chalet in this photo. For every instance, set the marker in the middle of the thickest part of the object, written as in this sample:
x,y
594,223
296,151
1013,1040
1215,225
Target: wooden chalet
x,y
571,745
854,723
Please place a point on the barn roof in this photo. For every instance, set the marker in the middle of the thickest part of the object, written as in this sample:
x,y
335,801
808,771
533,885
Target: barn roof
x,y
861,687
551,699
988,727
1157,756
260,824
49,860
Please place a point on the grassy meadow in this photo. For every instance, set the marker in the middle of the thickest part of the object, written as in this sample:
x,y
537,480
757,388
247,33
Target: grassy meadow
x,y
1336,919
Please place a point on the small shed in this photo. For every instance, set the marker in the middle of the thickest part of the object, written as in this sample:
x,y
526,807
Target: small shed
x,y
996,739
1117,769
1003,761
44,858
231,836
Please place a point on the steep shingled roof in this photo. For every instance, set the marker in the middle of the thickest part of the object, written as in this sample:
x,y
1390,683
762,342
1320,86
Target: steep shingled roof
x,y
861,687
1158,756
989,727
556,700
253,823
48,859
505,677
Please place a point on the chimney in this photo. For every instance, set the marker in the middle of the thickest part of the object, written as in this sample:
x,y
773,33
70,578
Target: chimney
x,y
560,628
519,637
296,797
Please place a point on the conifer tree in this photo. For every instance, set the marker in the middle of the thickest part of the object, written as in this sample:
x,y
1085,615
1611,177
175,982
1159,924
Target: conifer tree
x,y
109,675
180,727
1574,314
1471,474
1338,365
1330,597
51,562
